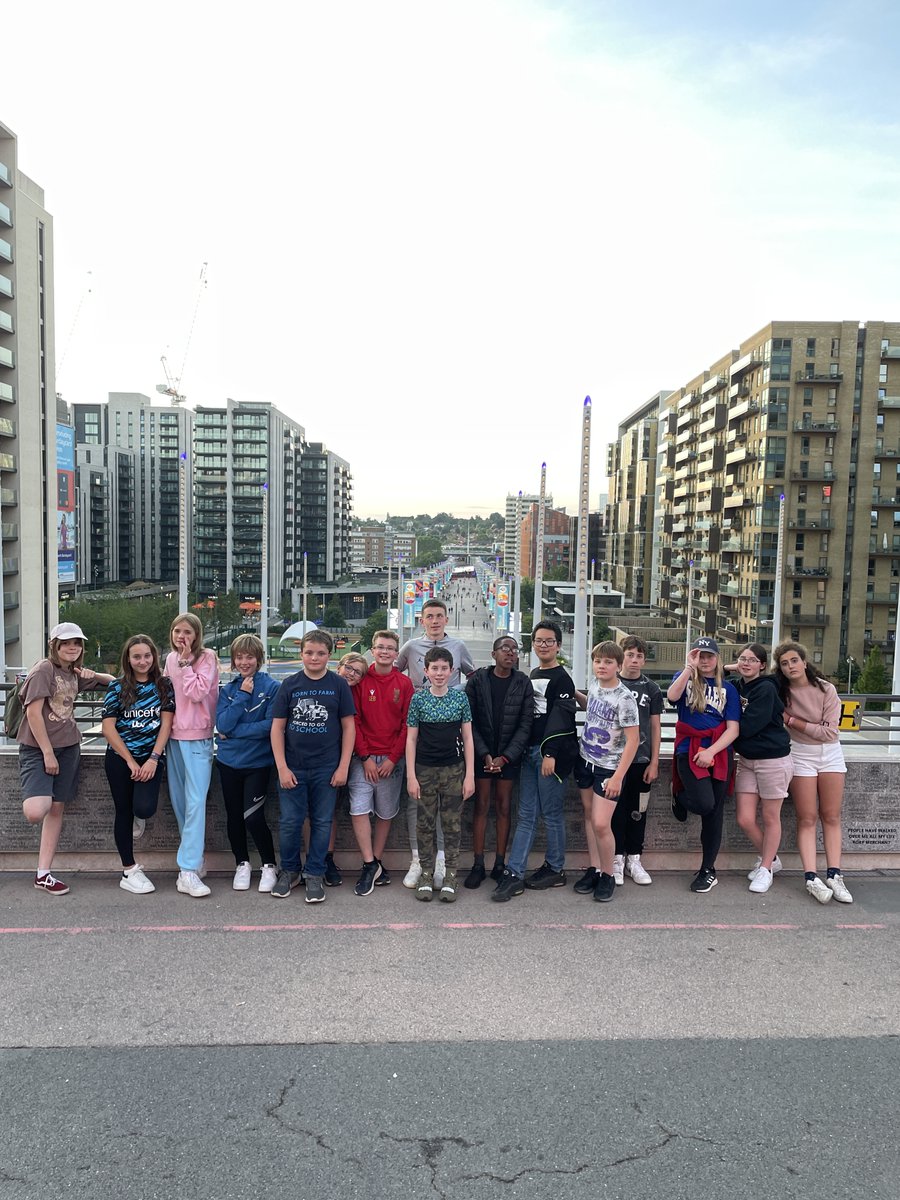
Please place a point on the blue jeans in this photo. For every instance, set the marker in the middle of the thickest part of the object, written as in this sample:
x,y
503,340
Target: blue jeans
x,y
190,769
313,797
539,796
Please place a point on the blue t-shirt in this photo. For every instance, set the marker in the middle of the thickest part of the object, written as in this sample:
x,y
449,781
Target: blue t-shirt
x,y
722,704
138,724
313,710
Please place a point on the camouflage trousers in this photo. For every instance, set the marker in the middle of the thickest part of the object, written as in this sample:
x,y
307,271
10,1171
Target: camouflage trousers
x,y
441,793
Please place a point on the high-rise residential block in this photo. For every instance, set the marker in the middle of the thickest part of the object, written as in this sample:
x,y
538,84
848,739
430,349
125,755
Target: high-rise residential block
x,y
29,489
805,410
631,466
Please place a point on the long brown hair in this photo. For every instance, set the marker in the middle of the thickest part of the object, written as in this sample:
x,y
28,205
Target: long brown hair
x,y
130,685
813,674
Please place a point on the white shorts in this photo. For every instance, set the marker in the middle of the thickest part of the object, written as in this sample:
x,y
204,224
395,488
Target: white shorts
x,y
825,758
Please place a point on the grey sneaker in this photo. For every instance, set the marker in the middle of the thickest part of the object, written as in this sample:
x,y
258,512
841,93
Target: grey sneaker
x,y
285,884
448,887
315,889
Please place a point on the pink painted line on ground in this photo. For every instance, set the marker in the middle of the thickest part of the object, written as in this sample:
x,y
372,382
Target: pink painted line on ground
x,y
687,925
861,926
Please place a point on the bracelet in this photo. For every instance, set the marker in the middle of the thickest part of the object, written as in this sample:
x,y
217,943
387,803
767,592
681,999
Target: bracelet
x,y
156,757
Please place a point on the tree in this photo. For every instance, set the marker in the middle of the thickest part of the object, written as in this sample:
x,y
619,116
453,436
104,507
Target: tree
x,y
375,624
558,574
285,611
874,680
333,617
428,551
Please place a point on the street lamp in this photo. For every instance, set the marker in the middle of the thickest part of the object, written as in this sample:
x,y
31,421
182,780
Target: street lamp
x,y
850,661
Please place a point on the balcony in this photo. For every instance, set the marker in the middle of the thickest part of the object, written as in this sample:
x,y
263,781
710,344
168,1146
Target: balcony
x,y
807,523
734,546
713,384
687,400
747,363
738,391
743,409
816,426
882,598
731,589
883,551
806,619
802,377
737,499
889,401
887,452
807,573
816,474
742,454
879,501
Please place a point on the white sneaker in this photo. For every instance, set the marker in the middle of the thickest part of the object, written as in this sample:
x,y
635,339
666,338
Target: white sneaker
x,y
191,884
776,866
414,874
762,880
619,869
138,825
134,880
839,889
268,877
440,869
817,888
636,869
241,881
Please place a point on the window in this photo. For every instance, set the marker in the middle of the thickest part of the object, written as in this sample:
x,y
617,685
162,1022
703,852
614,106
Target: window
x,y
835,347
810,347
832,397
882,373
798,545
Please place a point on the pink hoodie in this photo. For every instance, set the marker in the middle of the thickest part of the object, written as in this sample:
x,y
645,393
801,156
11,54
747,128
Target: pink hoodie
x,y
196,695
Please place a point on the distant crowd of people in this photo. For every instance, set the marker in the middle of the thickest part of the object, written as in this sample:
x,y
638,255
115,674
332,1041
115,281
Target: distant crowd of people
x,y
420,719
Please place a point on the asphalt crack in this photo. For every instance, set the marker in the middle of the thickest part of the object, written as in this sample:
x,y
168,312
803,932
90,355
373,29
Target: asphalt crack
x,y
275,1111
431,1149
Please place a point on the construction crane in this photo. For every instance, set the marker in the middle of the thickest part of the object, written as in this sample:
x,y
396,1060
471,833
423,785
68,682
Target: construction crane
x,y
172,386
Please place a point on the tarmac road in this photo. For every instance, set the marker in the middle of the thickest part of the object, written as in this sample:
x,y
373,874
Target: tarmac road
x,y
665,1044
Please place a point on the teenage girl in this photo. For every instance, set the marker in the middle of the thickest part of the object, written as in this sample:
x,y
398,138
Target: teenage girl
x,y
709,712
194,672
50,742
244,758
765,767
812,715
137,721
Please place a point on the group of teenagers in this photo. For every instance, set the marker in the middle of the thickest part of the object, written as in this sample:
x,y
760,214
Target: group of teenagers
x,y
420,719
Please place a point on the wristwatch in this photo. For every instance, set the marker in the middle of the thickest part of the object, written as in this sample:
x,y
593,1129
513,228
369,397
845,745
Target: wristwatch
x,y
156,757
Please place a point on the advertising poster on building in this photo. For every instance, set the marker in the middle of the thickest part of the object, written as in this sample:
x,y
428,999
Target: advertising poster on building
x,y
65,503
502,606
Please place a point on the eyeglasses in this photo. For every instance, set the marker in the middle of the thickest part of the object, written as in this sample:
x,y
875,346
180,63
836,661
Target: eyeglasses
x,y
353,671
544,642
749,662
511,647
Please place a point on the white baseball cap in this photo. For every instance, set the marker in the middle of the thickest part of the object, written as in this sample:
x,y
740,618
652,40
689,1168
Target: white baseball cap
x,y
66,630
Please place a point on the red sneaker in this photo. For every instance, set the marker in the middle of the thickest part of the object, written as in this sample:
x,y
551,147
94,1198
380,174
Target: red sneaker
x,y
48,883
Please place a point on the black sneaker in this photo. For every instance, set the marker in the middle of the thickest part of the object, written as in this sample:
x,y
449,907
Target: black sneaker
x,y
497,869
679,812
704,881
545,877
510,885
382,880
476,876
605,887
365,885
315,889
587,882
333,877
285,883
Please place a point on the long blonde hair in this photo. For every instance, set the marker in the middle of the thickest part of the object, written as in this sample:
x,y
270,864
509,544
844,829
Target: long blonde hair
x,y
695,693
193,620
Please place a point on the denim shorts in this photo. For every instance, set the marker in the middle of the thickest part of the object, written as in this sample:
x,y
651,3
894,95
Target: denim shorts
x,y
35,780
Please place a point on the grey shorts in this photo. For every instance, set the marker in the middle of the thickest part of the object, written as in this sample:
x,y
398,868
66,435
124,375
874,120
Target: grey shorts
x,y
35,780
382,798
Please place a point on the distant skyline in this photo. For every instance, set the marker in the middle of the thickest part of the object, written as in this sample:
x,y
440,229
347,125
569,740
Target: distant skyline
x,y
431,231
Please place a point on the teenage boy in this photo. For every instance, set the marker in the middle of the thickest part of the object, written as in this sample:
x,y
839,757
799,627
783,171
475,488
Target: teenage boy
x,y
440,768
376,769
313,731
502,701
608,746
550,756
412,660
630,817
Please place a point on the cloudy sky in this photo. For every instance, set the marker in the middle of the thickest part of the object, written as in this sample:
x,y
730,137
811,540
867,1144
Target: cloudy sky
x,y
431,229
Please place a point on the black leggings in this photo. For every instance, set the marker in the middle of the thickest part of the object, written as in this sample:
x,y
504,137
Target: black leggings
x,y
705,797
244,793
131,799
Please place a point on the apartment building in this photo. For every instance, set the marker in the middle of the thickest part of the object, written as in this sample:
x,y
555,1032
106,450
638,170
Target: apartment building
x,y
138,539
631,467
559,539
513,513
805,410
29,496
326,507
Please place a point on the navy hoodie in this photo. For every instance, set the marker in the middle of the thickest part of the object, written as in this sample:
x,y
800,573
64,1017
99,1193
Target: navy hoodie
x,y
244,723
763,734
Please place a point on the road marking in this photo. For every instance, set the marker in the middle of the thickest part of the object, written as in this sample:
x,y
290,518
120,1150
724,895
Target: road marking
x,y
414,926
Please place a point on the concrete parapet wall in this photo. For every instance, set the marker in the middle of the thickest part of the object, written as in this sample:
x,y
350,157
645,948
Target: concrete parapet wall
x,y
871,826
